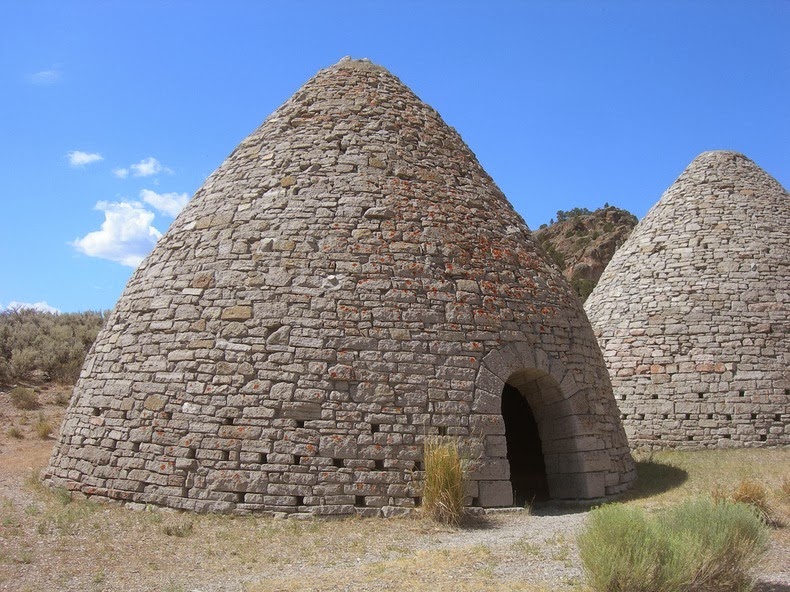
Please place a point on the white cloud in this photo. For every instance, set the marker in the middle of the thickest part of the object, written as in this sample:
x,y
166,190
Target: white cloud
x,y
78,158
39,306
45,77
121,173
126,235
148,167
167,203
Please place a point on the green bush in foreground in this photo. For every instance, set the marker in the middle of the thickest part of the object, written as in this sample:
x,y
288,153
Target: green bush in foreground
x,y
445,480
697,546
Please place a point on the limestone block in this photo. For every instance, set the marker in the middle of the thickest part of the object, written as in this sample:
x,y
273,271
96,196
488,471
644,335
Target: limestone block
x,y
495,494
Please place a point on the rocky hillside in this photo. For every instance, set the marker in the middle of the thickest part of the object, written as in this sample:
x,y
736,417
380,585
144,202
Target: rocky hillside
x,y
582,242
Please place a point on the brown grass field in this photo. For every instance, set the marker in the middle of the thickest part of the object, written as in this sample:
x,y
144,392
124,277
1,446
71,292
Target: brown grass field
x,y
49,541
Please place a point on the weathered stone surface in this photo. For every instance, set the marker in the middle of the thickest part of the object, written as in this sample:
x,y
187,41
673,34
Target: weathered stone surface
x,y
495,494
348,282
693,312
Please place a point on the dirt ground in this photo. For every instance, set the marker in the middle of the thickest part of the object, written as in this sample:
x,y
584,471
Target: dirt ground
x,y
50,542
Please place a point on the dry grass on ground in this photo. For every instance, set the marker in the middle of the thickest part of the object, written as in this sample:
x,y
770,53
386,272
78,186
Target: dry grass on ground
x,y
50,542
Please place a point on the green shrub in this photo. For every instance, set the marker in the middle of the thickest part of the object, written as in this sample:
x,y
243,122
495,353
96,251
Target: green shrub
x,y
556,256
445,479
619,550
43,346
583,287
697,546
24,398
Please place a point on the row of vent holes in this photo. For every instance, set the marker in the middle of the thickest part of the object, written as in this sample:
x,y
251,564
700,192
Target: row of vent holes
x,y
360,502
375,427
763,437
728,416
699,395
97,411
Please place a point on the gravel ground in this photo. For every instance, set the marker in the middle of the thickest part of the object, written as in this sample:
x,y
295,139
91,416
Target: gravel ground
x,y
46,544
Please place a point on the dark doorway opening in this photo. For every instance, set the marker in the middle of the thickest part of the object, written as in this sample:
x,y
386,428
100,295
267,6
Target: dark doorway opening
x,y
524,450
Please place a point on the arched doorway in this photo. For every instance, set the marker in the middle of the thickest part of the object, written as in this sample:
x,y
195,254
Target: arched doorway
x,y
524,448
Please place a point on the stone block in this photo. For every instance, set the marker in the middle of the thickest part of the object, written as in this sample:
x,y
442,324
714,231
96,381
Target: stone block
x,y
495,494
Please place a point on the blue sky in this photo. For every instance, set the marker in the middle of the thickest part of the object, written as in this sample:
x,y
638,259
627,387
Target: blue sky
x,y
114,113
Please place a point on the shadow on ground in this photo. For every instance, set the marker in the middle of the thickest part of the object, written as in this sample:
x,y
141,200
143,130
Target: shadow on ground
x,y
654,478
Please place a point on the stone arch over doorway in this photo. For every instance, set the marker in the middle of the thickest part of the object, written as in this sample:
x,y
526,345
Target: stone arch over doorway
x,y
574,439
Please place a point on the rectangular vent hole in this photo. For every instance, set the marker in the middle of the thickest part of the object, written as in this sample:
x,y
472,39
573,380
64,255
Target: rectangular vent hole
x,y
240,498
135,447
299,423
228,421
374,427
225,454
741,393
763,437
729,416
654,396
299,500
296,459
379,464
778,417
190,453
338,462
689,438
700,395
753,416
418,466
359,501
264,459
727,436
710,416
442,430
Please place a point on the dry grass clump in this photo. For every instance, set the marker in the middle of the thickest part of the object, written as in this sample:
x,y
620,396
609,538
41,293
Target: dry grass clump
x,y
784,490
43,428
15,433
697,546
754,494
24,398
445,480
178,525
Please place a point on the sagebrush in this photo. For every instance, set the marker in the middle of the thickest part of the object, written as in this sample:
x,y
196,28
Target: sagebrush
x,y
697,546
24,398
45,346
